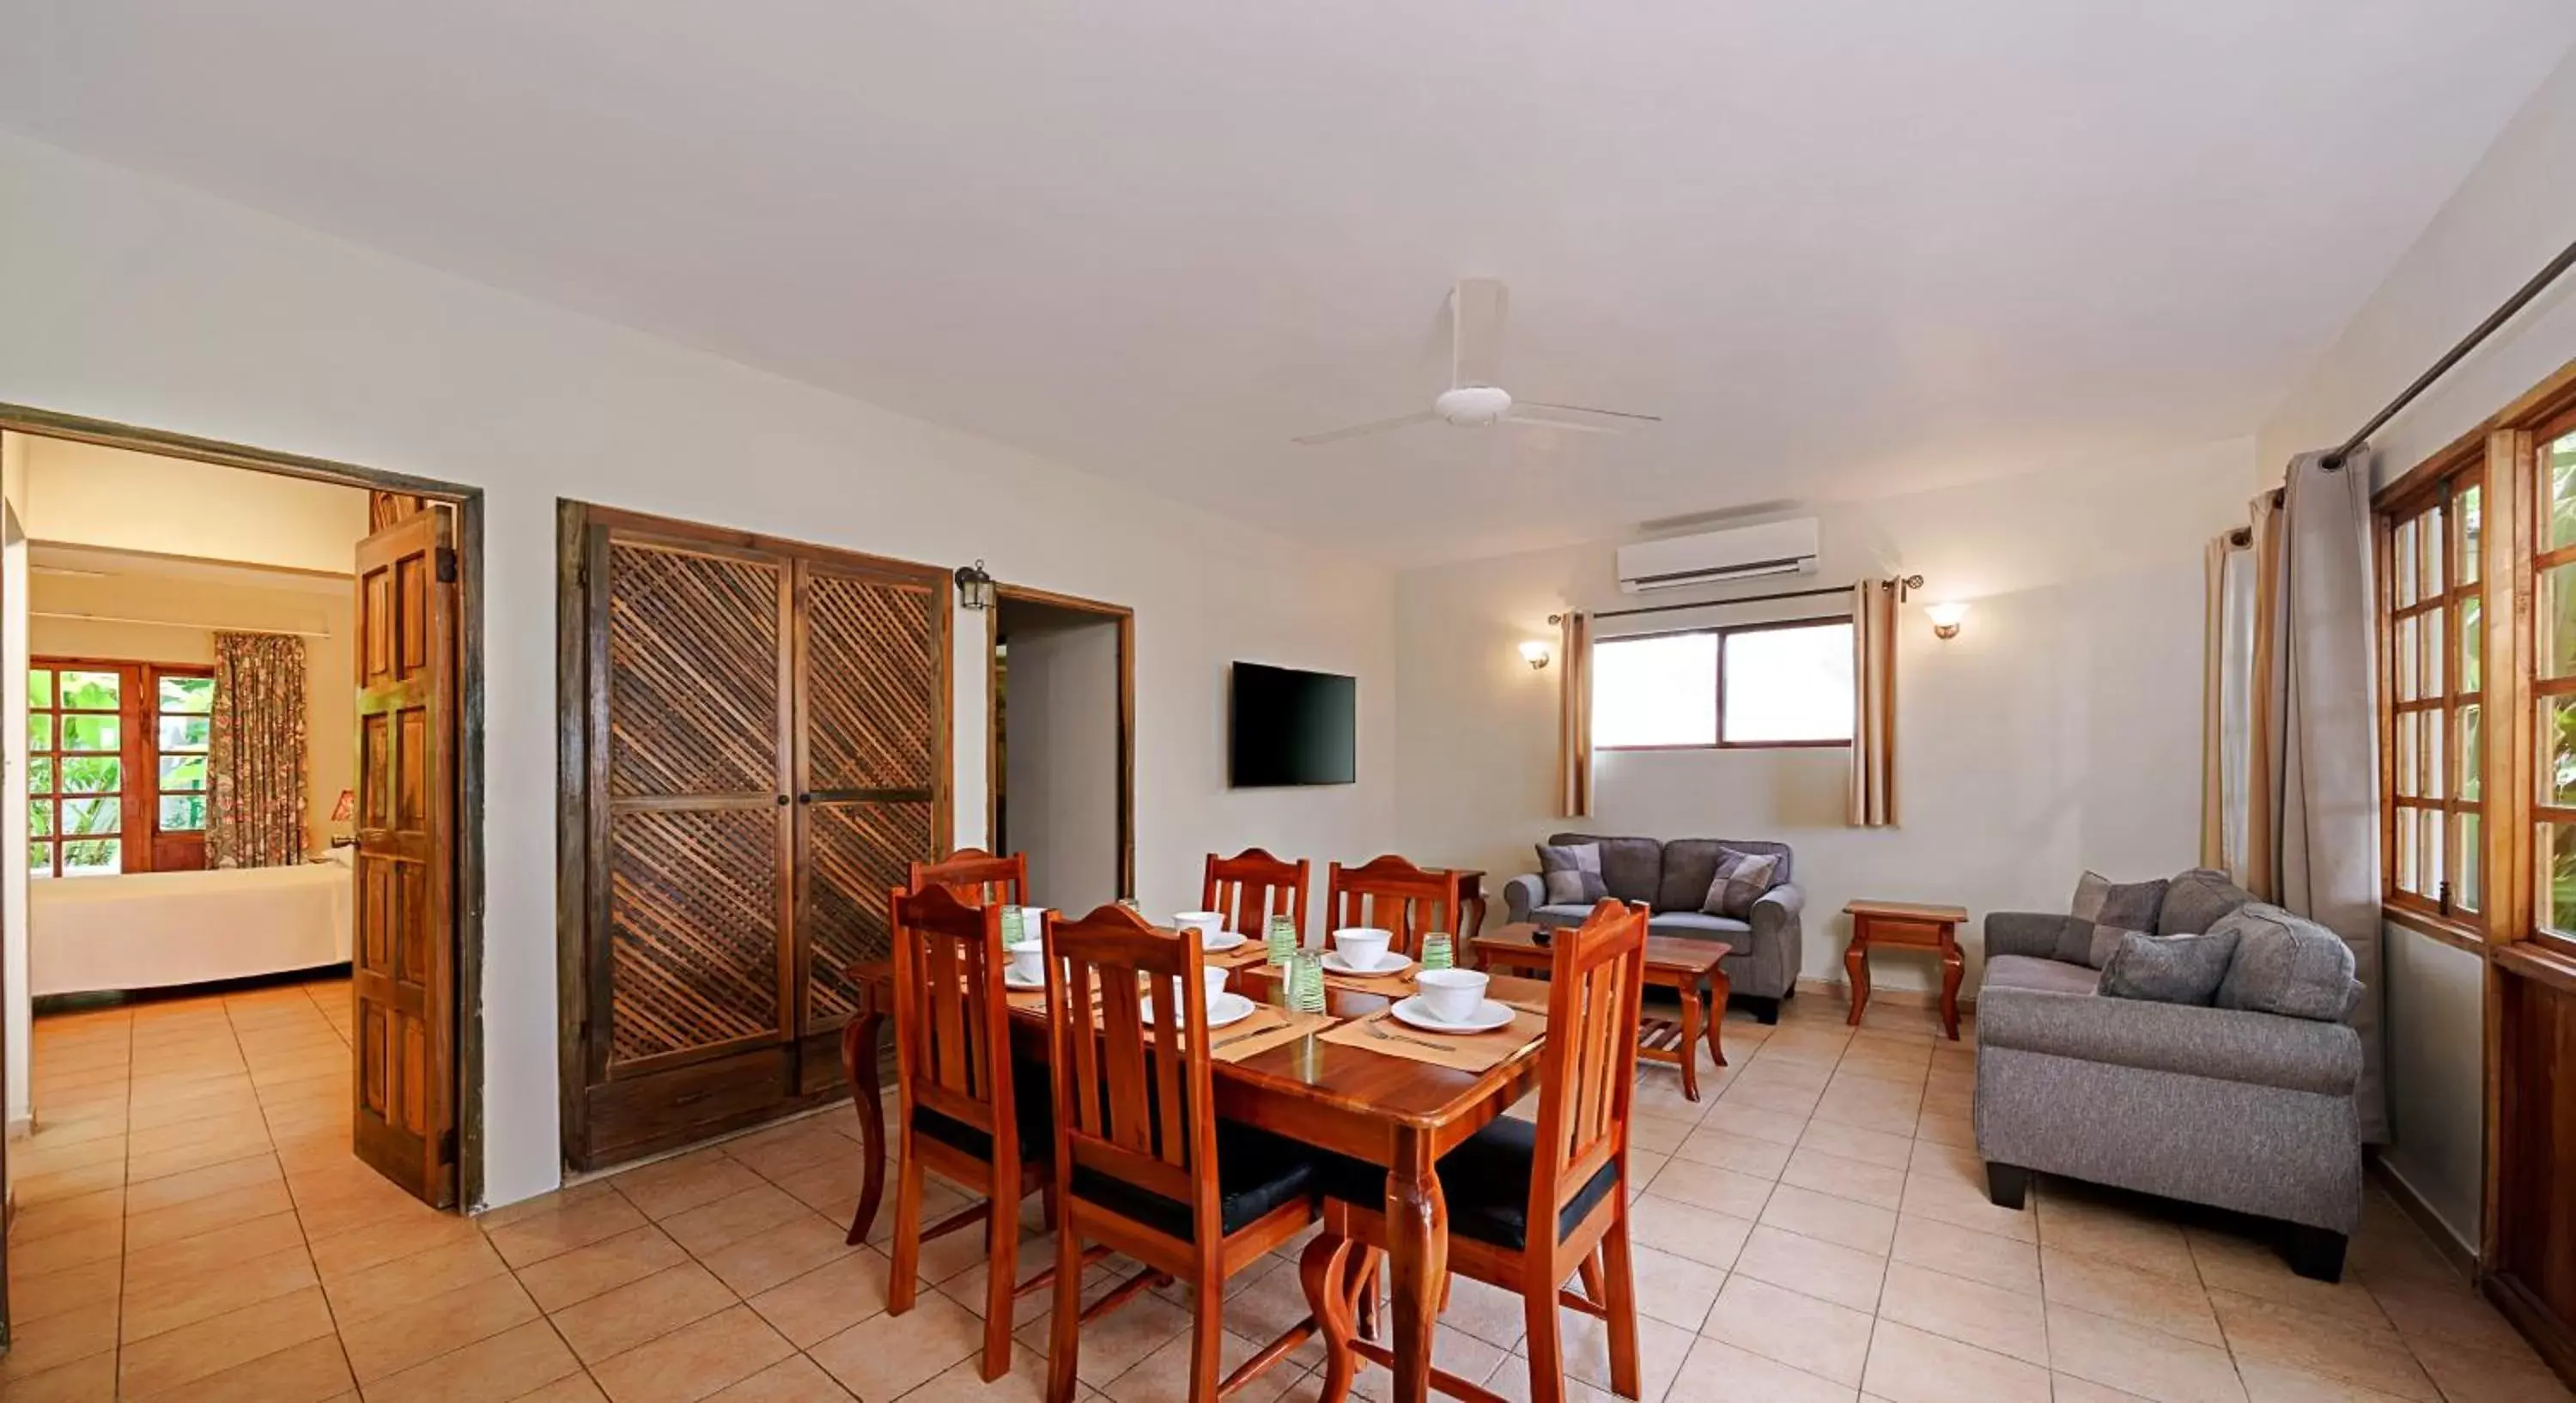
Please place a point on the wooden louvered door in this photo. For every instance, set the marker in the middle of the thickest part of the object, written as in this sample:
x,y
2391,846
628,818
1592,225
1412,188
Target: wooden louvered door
x,y
402,970
725,678
871,762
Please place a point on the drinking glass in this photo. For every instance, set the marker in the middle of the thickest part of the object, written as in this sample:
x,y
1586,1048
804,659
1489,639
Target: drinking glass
x,y
1283,939
1306,982
1436,953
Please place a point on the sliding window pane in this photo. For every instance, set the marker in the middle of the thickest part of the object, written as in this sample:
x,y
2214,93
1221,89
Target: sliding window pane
x,y
94,857
2473,752
1788,685
2467,863
1659,691
193,695
185,732
2562,492
2472,537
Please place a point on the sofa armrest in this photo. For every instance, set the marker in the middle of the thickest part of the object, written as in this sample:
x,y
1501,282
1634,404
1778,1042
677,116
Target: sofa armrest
x,y
2225,1044
1778,910
2032,933
1522,895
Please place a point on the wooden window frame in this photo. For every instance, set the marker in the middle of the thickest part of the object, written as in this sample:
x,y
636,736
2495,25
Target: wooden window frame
x,y
142,844
2529,448
2427,497
1717,691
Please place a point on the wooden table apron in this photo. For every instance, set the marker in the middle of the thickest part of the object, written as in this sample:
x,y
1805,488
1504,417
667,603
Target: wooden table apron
x,y
1383,1109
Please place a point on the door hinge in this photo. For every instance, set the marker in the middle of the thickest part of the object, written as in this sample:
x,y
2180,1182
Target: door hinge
x,y
447,1145
447,565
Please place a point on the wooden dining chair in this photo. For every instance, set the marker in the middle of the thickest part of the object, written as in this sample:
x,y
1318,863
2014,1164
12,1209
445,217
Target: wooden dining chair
x,y
1530,1204
1393,894
976,877
1252,886
965,1110
1142,1163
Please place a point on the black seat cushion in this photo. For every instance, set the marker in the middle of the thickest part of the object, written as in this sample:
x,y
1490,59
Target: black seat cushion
x,y
1256,1172
1485,1181
1032,1105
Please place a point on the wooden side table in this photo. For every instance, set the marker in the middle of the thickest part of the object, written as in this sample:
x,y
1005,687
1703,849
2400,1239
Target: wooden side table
x,y
1684,966
1909,926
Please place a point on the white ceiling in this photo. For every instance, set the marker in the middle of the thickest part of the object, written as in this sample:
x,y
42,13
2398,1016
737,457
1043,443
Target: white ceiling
x,y
1843,247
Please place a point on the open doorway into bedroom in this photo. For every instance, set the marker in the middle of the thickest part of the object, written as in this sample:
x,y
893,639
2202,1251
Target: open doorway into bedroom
x,y
239,802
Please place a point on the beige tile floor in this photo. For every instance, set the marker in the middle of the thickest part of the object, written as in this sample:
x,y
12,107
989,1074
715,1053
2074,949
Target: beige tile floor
x,y
192,1226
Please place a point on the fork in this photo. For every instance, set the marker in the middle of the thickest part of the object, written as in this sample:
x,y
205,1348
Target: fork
x,y
1378,1030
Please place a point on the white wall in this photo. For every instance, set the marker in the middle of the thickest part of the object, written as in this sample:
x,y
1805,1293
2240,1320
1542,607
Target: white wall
x,y
131,300
2512,214
82,494
2060,730
15,1011
1062,751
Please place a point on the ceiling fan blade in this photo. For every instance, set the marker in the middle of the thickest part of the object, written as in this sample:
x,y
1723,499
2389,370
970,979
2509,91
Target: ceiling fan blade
x,y
1356,430
1587,409
1568,425
1477,309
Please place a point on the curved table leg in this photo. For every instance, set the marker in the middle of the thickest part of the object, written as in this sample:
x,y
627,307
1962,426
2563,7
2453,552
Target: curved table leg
x,y
1688,1043
859,1049
1417,1226
1953,967
1723,987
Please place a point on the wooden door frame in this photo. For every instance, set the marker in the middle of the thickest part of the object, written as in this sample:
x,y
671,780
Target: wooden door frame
x,y
1125,618
467,502
574,723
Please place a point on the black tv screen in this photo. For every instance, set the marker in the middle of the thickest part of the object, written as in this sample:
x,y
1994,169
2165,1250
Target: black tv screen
x,y
1292,727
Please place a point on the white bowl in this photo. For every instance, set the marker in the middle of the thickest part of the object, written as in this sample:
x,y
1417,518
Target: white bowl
x,y
1452,994
1363,946
1208,924
1028,961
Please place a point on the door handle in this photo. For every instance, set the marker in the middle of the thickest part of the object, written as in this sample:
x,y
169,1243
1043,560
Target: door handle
x,y
782,801
804,798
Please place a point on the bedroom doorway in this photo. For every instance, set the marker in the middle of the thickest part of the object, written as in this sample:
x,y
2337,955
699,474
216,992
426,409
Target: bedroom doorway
x,y
1061,772
269,705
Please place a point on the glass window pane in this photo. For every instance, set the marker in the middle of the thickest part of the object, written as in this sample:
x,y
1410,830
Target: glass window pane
x,y
2472,644
2558,750
40,859
185,732
2437,734
2434,672
40,775
182,772
2432,533
2471,532
40,731
2408,651
85,732
1655,691
2430,850
1788,684
90,815
193,695
93,857
40,818
2405,767
92,774
2407,879
183,813
2466,865
2473,752
2555,865
2402,553
2562,492
92,691
40,687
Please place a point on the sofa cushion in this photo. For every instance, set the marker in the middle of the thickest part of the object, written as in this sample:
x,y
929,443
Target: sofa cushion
x,y
2045,976
1698,923
1739,881
2099,901
2172,969
2196,900
2288,966
1690,864
1633,868
1572,873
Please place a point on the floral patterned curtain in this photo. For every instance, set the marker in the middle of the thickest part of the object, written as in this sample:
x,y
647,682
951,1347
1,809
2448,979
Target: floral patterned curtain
x,y
256,768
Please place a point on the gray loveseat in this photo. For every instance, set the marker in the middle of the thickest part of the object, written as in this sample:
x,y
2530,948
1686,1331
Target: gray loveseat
x,y
1762,961
2246,1111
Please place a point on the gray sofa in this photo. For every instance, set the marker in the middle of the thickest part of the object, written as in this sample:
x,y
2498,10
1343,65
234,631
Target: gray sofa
x,y
1672,877
2251,1112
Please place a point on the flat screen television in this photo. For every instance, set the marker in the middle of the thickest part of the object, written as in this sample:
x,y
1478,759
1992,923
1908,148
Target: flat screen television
x,y
1290,727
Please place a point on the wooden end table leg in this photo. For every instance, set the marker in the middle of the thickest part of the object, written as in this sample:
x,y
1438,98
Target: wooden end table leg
x,y
1953,967
1856,969
1688,1046
1721,988
859,1051
1417,1224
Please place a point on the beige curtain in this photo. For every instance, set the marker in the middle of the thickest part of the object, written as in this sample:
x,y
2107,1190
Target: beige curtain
x,y
1574,715
255,768
2227,704
1873,751
2263,706
2321,732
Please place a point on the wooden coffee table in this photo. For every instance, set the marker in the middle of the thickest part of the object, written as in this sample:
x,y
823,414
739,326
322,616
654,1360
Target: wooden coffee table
x,y
1906,925
1685,966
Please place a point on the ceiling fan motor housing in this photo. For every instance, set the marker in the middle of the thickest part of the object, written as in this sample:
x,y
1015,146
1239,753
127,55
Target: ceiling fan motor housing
x,y
1472,404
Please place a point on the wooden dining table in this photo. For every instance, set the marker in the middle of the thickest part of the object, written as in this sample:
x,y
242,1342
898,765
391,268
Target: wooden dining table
x,y
1370,1105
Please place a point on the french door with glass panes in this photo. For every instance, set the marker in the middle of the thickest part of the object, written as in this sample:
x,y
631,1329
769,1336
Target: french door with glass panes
x,y
116,766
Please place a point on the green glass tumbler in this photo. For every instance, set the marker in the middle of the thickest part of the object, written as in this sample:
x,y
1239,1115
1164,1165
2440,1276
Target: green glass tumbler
x,y
1282,939
1306,982
1436,953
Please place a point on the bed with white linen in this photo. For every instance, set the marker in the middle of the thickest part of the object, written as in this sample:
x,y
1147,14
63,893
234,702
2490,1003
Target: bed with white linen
x,y
149,930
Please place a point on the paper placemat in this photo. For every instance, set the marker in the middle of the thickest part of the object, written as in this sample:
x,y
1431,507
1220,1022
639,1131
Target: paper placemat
x,y
1270,1026
1394,984
1466,1052
1250,952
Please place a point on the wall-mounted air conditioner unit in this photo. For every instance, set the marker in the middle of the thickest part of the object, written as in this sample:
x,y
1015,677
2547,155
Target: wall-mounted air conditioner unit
x,y
1744,553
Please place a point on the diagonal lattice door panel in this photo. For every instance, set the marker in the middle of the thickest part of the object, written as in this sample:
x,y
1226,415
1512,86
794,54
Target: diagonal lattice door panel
x,y
695,951
871,700
693,650
854,854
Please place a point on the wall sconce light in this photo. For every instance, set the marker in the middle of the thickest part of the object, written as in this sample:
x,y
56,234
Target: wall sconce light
x,y
1535,653
1945,618
974,587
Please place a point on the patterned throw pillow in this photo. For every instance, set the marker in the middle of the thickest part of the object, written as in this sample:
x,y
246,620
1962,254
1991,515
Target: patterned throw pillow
x,y
1572,874
2104,911
1740,881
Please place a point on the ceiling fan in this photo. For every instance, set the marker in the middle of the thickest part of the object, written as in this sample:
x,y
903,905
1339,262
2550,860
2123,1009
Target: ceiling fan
x,y
1473,400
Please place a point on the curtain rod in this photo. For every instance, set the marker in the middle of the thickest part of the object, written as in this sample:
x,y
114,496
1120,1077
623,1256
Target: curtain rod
x,y
170,623
2521,298
1909,582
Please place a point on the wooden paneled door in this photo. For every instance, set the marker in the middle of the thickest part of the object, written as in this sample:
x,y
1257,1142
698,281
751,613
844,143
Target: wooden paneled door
x,y
761,733
403,971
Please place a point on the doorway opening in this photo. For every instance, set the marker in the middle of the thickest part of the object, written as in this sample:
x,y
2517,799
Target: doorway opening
x,y
243,804
1062,768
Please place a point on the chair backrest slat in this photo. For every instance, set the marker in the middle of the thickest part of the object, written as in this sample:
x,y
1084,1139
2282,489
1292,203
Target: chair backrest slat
x,y
951,1014
1393,894
1253,886
1588,1075
1133,1100
976,877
